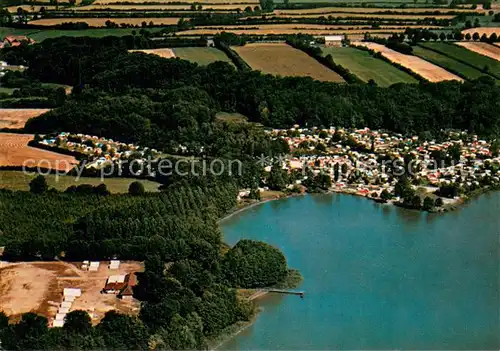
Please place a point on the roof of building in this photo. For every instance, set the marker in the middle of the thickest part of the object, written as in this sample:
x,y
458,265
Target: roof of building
x,y
334,37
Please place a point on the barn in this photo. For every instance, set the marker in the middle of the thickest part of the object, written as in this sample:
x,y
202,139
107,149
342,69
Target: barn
x,y
334,40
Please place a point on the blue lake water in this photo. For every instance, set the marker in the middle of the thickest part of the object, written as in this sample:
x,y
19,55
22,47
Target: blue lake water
x,y
376,276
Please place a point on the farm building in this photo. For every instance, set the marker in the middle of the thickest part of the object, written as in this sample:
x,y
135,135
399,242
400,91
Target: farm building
x,y
120,285
334,40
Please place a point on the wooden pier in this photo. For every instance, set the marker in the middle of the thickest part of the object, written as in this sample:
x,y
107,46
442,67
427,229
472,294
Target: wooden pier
x,y
290,292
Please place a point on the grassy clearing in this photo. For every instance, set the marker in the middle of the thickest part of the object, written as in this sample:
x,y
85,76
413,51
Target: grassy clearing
x,y
17,180
201,55
6,90
283,60
482,63
366,67
448,63
231,117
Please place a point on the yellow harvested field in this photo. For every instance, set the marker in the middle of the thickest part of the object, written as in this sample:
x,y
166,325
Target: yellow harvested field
x,y
425,69
483,30
165,53
281,59
101,22
14,151
484,49
173,2
364,15
38,287
368,10
159,7
16,118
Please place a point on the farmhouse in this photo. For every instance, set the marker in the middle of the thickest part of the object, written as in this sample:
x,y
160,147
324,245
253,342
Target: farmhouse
x,y
334,40
120,285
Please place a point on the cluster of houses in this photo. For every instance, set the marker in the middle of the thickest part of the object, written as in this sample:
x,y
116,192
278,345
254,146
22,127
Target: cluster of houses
x,y
100,151
361,161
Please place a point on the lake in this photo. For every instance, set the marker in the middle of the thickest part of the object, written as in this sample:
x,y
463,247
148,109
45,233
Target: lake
x,y
377,276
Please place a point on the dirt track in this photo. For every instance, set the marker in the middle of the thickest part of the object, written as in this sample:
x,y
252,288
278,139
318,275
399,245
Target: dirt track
x,y
484,49
425,69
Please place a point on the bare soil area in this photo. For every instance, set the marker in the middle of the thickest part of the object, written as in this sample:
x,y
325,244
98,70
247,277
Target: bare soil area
x,y
38,287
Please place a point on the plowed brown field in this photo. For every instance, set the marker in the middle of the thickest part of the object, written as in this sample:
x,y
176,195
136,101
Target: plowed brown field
x,y
283,60
16,118
14,151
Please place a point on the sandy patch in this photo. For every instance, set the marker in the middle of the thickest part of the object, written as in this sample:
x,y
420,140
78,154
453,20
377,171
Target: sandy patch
x,y
38,287
165,53
425,69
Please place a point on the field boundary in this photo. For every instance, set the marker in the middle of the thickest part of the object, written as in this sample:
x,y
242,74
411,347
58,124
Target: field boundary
x,y
395,64
326,61
452,70
460,60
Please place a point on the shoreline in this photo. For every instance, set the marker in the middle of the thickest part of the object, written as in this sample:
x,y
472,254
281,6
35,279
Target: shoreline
x,y
258,202
239,327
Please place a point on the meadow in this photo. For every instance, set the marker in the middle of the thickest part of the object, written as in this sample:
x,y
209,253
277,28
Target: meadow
x,y
17,180
448,63
366,67
469,57
201,55
283,60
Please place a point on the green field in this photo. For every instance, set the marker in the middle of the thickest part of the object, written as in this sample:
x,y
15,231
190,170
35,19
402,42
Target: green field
x,y
6,90
461,54
17,180
40,35
234,117
448,63
201,55
366,67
